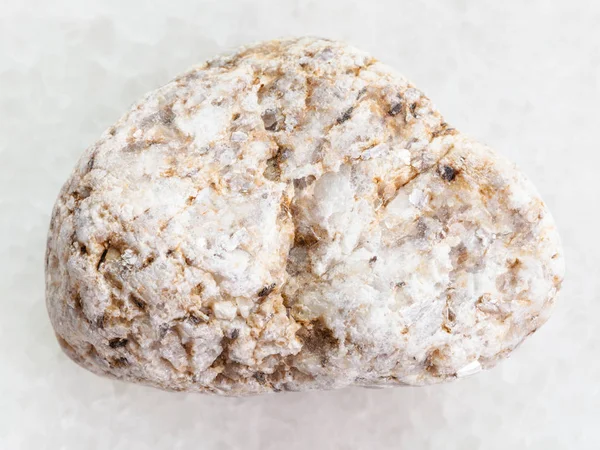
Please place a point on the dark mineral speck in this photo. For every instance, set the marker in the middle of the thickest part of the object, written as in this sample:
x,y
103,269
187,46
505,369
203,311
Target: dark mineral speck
x,y
447,173
266,290
117,342
395,109
347,114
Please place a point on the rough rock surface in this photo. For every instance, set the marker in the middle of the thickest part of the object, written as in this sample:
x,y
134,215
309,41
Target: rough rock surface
x,y
295,216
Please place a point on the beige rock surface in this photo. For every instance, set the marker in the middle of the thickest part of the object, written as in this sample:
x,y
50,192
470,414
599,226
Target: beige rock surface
x,y
295,216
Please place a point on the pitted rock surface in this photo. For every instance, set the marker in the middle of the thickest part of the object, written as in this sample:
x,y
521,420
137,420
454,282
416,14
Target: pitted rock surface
x,y
295,216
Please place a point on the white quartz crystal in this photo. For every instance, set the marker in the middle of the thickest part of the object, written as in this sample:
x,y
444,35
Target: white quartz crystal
x,y
295,216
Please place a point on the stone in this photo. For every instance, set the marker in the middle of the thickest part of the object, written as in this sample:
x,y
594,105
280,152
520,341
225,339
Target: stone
x,y
295,216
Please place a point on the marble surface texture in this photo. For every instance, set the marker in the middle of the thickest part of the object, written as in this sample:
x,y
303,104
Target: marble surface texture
x,y
519,76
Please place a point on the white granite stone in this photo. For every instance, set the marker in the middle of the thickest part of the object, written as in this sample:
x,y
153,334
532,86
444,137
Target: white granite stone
x,y
295,216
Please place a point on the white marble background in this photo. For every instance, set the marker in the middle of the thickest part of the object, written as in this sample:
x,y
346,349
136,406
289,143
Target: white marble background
x,y
520,75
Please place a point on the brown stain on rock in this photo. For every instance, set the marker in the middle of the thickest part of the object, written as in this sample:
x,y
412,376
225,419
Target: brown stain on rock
x,y
318,338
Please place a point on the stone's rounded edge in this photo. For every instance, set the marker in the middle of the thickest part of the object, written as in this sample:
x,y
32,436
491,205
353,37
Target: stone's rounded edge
x,y
534,254
135,299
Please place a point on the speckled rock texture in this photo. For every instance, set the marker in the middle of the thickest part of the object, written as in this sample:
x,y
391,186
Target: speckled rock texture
x,y
295,216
